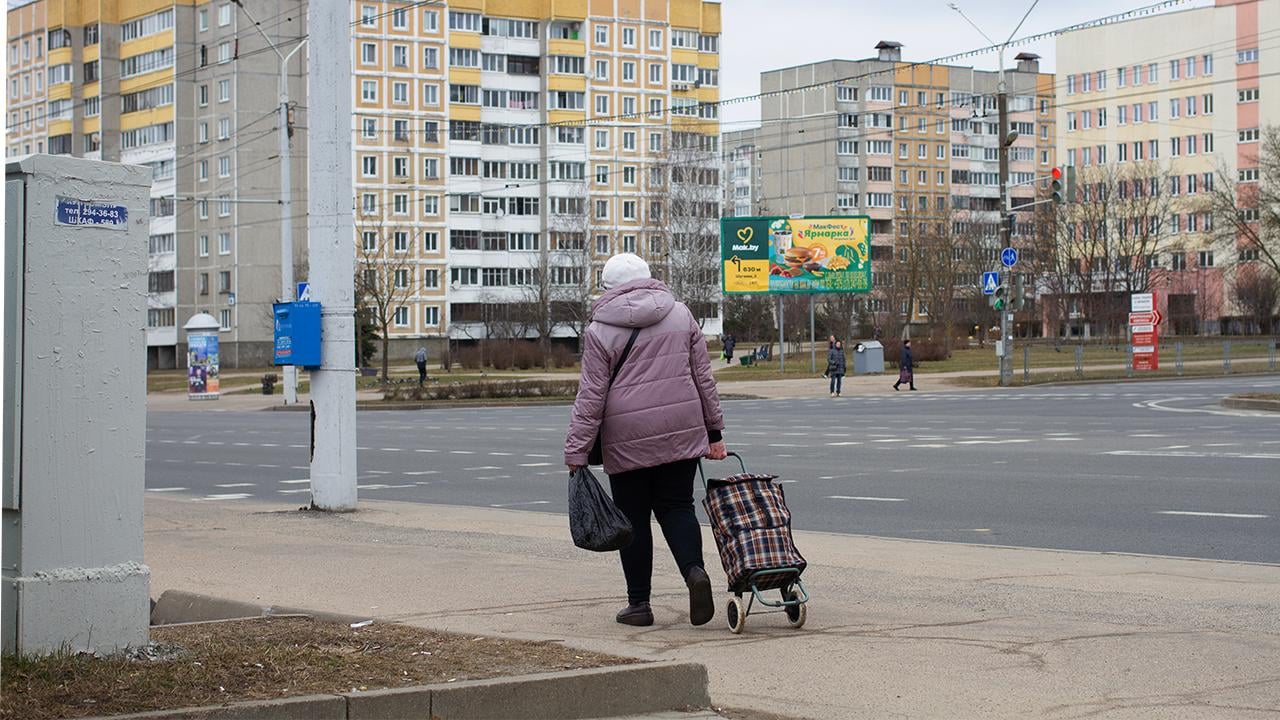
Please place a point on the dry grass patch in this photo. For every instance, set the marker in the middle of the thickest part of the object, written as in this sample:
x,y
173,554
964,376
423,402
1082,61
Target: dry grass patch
x,y
268,658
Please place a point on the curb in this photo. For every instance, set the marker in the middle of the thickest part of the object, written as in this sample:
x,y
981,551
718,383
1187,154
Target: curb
x,y
176,607
1244,403
622,690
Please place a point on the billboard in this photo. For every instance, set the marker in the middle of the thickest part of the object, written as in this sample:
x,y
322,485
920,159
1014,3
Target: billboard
x,y
779,254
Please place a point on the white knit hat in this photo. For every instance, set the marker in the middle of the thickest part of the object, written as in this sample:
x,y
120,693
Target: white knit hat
x,y
622,269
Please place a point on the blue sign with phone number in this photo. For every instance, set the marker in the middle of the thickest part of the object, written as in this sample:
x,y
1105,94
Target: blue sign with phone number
x,y
80,212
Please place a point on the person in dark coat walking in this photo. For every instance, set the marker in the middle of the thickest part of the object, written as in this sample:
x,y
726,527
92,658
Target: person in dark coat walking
x,y
836,367
729,343
421,359
906,367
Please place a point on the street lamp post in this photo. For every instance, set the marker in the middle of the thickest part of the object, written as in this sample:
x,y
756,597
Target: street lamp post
x,y
1005,139
286,189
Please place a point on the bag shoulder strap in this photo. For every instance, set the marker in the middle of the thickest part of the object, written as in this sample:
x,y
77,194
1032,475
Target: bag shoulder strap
x,y
623,357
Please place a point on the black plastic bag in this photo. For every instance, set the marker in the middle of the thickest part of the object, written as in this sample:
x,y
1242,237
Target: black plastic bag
x,y
594,521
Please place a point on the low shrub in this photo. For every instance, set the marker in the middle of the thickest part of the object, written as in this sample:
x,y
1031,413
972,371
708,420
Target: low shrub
x,y
922,350
484,390
563,357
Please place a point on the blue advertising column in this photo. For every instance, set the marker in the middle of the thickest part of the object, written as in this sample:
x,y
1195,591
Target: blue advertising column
x,y
202,357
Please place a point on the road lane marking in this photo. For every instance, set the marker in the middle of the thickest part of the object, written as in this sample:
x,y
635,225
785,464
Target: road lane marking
x,y
1062,439
1190,454
929,445
891,440
168,489
536,455
295,482
482,467
500,454
389,449
423,450
227,496
379,486
461,452
866,498
531,502
234,485
1194,513
847,442
290,492
537,464
421,472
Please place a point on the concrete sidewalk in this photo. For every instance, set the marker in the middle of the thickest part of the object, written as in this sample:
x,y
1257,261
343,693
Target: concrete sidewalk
x,y
896,628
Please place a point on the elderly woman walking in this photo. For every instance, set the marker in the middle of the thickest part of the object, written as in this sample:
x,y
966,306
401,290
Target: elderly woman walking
x,y
658,417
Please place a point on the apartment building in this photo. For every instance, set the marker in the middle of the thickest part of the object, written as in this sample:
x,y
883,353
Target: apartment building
x,y
189,90
504,150
1187,94
914,146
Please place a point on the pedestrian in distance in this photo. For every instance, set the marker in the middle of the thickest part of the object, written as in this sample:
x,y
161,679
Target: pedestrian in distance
x,y
831,344
906,367
421,359
660,415
730,342
836,367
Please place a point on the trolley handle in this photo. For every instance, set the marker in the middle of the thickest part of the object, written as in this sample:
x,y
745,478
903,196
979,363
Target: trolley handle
x,y
731,454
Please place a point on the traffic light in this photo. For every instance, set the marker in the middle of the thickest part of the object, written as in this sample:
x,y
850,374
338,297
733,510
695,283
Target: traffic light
x,y
1064,184
1019,293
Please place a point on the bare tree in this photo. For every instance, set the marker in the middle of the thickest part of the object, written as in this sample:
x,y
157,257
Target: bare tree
x,y
1256,289
384,280
1247,209
684,198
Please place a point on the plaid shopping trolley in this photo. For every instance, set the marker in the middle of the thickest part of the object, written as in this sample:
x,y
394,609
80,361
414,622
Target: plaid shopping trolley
x,y
752,529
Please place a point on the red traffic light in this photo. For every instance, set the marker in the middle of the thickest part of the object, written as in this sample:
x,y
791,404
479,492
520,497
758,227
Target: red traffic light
x,y
1057,173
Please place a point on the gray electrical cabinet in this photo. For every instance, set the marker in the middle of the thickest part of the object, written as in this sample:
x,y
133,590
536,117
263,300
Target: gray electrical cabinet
x,y
75,289
868,357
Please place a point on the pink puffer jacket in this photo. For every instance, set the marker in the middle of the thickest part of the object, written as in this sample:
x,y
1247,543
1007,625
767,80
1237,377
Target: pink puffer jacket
x,y
664,404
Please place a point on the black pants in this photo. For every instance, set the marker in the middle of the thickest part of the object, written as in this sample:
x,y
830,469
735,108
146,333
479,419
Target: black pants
x,y
422,371
665,491
836,380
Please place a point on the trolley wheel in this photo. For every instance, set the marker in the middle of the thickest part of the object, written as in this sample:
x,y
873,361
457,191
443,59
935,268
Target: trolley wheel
x,y
796,614
736,615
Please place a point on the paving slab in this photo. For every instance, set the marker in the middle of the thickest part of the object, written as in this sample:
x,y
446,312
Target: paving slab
x,y
897,628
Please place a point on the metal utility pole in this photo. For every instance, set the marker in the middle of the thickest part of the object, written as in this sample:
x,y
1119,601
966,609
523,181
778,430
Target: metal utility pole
x,y
286,189
331,230
1006,227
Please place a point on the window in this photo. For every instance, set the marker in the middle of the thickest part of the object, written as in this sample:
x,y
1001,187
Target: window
x,y
400,93
1205,258
151,24
368,53
464,21
369,90
1206,64
224,206
399,19
1175,69
502,27
224,243
400,204
568,65
430,94
628,37
467,94
430,20
224,90
224,128
602,34
224,166
202,20
466,57
402,316
1249,135
224,52
1247,56
655,39
1247,95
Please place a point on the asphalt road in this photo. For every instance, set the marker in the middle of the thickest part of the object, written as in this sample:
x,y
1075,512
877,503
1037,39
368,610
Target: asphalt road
x,y
1155,467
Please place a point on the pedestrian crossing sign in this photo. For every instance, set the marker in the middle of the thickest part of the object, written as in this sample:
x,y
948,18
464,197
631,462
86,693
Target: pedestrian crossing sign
x,y
990,281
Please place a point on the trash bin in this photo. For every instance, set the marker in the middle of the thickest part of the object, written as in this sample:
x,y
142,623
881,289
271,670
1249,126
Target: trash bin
x,y
868,357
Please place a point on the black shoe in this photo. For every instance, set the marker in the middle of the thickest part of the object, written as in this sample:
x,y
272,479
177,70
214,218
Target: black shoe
x,y
895,387
702,606
639,615
913,389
